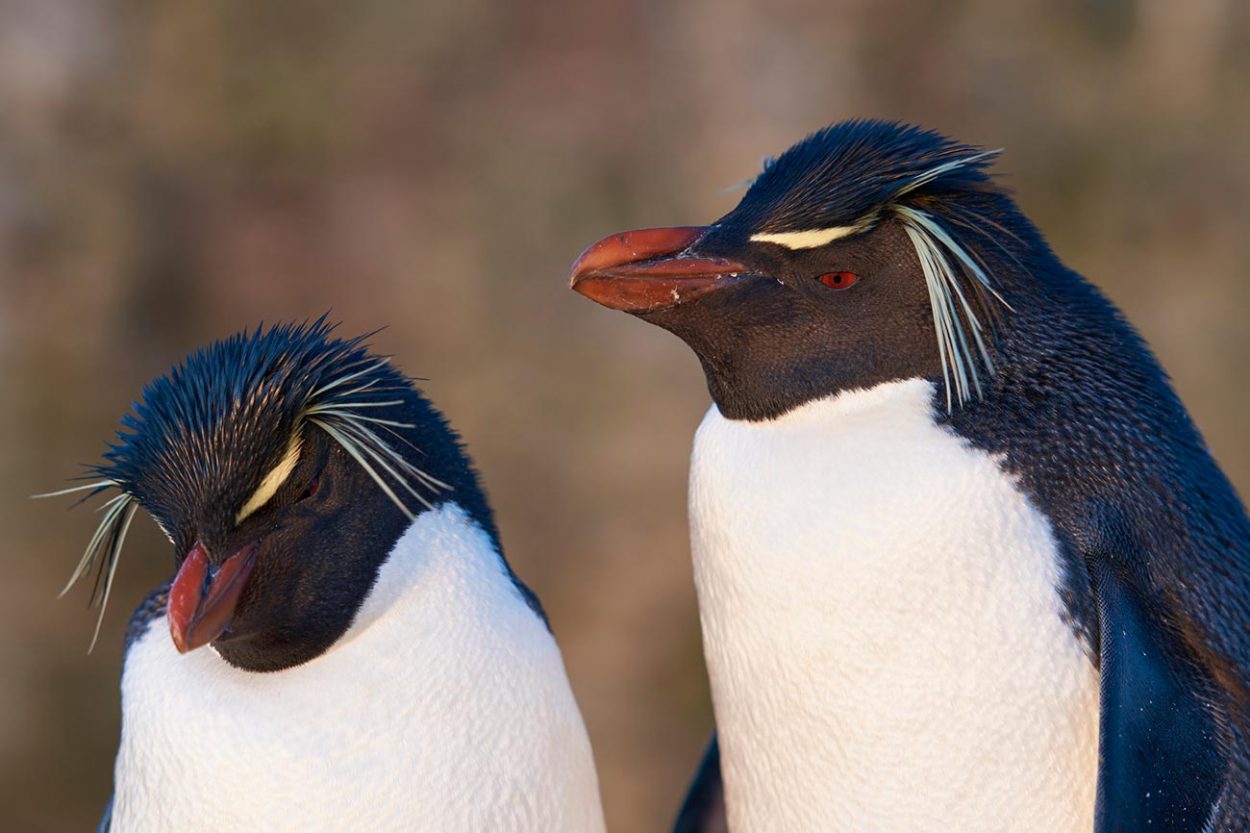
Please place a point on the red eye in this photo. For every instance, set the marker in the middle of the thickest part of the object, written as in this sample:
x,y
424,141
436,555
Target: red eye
x,y
838,280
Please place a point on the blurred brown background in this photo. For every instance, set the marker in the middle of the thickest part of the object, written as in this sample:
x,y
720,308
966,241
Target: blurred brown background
x,y
171,172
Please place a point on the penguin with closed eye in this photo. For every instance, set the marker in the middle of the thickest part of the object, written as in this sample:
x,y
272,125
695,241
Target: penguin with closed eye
x,y
963,560
342,645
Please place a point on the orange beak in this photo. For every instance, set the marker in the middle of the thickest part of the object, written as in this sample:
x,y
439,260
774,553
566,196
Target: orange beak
x,y
650,269
203,598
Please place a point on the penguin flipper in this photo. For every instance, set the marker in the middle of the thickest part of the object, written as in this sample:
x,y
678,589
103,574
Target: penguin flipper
x,y
150,609
1161,762
107,821
703,810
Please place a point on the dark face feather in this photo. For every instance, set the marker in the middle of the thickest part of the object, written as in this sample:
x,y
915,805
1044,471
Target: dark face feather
x,y
867,252
289,461
768,345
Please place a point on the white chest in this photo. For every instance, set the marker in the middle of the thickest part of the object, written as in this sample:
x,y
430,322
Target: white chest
x,y
444,708
882,629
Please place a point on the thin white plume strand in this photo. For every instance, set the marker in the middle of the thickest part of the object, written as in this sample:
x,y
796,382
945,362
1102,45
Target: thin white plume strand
x,y
954,319
339,416
96,486
117,540
351,431
946,167
105,545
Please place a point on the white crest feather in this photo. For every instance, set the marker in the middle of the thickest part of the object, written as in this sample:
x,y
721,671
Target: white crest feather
x,y
955,323
105,545
341,418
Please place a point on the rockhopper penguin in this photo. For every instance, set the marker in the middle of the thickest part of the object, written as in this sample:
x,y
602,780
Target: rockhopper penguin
x,y
349,649
963,560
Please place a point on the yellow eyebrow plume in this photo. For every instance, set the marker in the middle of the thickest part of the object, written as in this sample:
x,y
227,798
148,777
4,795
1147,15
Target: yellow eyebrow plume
x,y
273,480
810,239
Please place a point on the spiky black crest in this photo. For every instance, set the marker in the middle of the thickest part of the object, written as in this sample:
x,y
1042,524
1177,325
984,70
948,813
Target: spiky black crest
x,y
232,403
206,433
842,174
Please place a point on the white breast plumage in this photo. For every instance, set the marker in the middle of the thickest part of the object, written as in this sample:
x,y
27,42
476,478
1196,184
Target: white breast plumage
x,y
882,627
444,708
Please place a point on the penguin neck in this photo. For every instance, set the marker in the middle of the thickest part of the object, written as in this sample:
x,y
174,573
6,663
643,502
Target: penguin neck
x,y
760,380
444,701
442,548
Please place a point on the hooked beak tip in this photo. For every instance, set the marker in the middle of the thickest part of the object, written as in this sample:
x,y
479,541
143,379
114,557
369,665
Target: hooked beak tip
x,y
180,639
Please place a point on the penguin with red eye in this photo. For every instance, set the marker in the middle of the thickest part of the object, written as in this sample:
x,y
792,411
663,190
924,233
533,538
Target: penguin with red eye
x,y
963,560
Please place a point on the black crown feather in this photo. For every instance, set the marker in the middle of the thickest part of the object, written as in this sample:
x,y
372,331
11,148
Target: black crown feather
x,y
843,173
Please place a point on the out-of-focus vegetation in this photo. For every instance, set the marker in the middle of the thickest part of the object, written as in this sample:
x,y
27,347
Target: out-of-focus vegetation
x,y
171,172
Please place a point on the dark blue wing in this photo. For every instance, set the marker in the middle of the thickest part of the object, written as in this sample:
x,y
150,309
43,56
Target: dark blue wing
x,y
703,811
1162,764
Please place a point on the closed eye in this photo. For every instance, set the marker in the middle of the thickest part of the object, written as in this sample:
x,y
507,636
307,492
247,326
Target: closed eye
x,y
272,480
311,489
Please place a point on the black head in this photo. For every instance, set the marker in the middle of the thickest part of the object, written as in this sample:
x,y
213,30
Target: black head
x,y
283,464
869,251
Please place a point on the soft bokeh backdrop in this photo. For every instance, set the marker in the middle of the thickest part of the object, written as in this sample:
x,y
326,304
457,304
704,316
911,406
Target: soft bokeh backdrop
x,y
171,172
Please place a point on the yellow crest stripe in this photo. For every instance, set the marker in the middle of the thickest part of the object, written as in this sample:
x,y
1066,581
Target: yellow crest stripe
x,y
810,239
273,480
